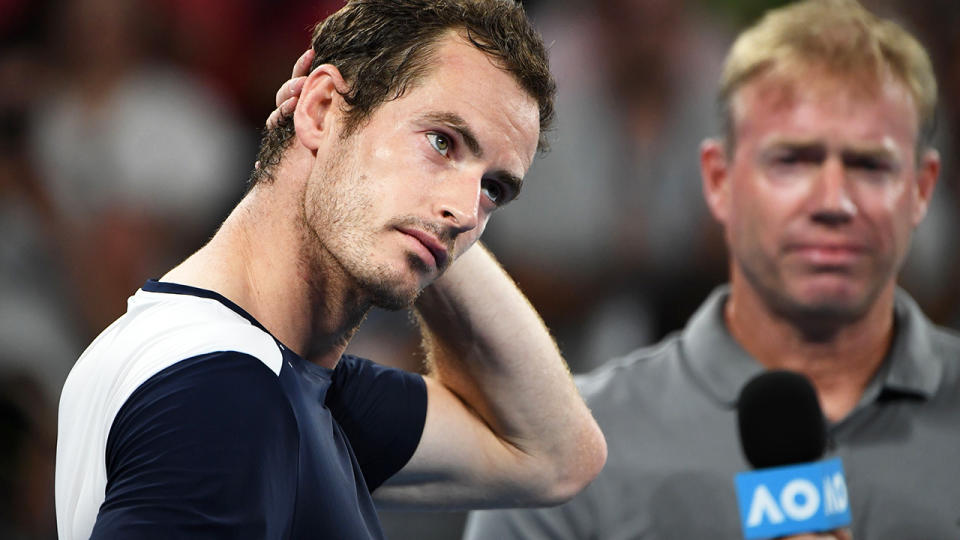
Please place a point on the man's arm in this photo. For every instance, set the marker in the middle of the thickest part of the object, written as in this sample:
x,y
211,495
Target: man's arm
x,y
505,424
206,448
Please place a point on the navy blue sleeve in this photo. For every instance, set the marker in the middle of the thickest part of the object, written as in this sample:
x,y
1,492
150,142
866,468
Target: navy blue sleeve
x,y
206,448
382,411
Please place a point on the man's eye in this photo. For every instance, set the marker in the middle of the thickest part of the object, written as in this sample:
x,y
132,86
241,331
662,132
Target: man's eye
x,y
439,142
867,164
796,157
786,159
793,158
494,191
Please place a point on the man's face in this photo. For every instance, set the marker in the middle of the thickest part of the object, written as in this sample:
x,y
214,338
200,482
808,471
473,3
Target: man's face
x,y
823,192
413,187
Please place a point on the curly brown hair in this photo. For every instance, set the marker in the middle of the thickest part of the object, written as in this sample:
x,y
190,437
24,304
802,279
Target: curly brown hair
x,y
381,47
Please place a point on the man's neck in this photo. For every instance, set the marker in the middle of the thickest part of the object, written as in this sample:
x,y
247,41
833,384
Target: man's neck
x,y
840,366
257,260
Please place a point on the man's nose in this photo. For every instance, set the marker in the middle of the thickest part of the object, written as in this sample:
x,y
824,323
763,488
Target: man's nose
x,y
832,203
457,201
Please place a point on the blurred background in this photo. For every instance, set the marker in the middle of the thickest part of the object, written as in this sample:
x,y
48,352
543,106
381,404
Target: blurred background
x,y
128,129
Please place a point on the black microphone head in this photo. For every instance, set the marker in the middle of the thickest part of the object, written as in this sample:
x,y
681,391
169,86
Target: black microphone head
x,y
780,420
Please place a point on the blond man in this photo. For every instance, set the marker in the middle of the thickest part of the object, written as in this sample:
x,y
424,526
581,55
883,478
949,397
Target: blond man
x,y
819,181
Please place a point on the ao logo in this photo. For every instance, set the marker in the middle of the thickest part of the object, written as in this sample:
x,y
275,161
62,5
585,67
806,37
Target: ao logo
x,y
799,501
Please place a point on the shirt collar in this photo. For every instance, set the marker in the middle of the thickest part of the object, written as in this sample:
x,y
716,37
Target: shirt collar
x,y
722,366
915,367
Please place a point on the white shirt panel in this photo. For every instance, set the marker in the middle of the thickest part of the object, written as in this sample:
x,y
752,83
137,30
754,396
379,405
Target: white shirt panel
x,y
158,330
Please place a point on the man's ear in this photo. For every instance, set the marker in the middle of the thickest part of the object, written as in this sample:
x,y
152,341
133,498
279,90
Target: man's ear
x,y
318,113
927,175
715,173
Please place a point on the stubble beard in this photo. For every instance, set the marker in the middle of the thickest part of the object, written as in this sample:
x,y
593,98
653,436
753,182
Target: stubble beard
x,y
820,318
338,241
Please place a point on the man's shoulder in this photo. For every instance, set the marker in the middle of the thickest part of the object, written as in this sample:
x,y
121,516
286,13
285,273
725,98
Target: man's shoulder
x,y
644,370
174,325
921,330
158,331
932,346
166,350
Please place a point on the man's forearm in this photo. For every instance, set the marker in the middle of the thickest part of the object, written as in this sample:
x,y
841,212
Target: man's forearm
x,y
486,343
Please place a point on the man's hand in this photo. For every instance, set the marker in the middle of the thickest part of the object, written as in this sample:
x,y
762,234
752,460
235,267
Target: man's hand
x,y
289,92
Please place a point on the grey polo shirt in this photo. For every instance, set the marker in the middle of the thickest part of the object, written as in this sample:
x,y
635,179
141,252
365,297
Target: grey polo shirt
x,y
668,413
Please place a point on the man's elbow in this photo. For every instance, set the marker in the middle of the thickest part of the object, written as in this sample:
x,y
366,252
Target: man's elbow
x,y
573,471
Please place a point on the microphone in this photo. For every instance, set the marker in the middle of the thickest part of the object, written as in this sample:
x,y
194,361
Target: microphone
x,y
784,437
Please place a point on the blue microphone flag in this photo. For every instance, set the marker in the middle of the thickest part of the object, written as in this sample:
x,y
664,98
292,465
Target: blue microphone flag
x,y
793,499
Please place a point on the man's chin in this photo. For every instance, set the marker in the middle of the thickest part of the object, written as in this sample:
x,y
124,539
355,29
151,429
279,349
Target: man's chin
x,y
830,295
393,296
826,305
399,287
394,302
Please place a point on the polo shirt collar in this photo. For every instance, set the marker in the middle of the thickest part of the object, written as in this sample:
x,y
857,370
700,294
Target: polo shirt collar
x,y
723,367
915,367
716,360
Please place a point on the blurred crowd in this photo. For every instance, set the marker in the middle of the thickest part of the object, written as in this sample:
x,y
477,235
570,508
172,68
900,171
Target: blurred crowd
x,y
128,128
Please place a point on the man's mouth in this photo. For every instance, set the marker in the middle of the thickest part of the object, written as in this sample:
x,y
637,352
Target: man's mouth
x,y
828,254
432,248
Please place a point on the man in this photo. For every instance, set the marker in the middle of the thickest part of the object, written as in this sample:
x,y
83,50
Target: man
x,y
196,413
823,175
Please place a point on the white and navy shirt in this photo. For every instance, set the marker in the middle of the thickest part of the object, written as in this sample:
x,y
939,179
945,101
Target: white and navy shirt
x,y
186,418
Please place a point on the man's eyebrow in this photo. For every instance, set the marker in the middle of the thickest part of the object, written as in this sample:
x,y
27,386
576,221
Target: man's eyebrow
x,y
867,149
805,150
795,144
457,123
877,151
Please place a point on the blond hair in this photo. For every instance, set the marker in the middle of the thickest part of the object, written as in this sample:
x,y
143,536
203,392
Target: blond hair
x,y
839,36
